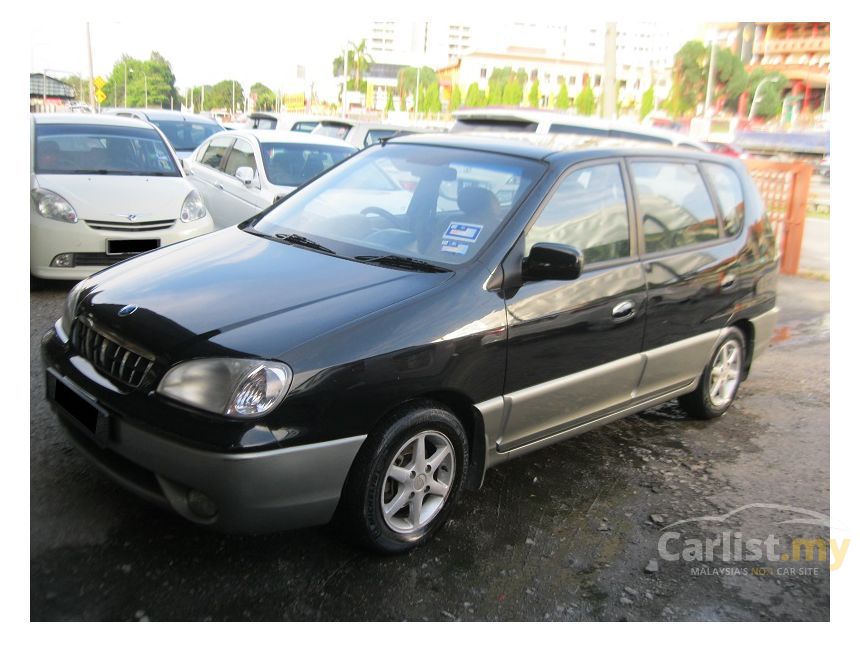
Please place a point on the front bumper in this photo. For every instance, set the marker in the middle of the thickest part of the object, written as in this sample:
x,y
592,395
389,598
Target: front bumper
x,y
49,238
252,492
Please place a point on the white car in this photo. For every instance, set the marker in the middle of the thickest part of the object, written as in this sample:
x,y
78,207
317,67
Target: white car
x,y
492,120
184,131
102,189
241,172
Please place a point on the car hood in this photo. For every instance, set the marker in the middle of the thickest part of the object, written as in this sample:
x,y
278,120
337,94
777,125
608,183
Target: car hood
x,y
115,197
245,293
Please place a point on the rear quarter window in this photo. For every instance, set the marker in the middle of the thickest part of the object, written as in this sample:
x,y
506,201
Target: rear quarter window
x,y
674,205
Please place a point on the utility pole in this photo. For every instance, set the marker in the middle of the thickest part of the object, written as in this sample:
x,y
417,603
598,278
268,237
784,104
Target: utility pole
x,y
712,69
202,95
609,98
343,107
233,101
90,54
45,90
125,84
145,92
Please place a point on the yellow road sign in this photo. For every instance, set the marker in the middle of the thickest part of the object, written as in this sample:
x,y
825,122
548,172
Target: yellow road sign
x,y
99,82
100,96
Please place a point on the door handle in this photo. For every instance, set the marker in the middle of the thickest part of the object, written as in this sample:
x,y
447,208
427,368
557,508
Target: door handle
x,y
219,186
728,282
623,311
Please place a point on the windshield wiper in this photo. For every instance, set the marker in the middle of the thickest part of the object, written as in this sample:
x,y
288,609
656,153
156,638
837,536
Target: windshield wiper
x,y
301,240
402,262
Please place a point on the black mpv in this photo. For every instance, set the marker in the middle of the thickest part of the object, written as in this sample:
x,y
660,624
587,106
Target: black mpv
x,y
429,308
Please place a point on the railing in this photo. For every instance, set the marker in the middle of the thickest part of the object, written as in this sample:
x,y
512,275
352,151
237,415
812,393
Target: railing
x,y
784,187
790,45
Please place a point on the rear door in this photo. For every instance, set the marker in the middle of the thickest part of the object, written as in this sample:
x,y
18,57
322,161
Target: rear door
x,y
574,346
688,269
207,177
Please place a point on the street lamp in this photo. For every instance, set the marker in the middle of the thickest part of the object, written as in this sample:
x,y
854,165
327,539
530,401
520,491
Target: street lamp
x,y
756,98
145,89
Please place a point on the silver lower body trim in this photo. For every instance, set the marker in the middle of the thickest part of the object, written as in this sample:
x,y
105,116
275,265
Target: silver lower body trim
x,y
763,326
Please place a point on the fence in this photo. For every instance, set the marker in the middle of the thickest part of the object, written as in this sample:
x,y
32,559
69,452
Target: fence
x,y
784,187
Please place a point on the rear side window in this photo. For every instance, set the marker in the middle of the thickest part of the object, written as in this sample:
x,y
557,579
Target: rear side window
x,y
675,206
215,152
304,126
730,194
242,155
566,128
589,212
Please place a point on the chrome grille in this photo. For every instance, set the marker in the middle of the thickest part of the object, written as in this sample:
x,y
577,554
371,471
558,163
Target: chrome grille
x,y
110,357
156,225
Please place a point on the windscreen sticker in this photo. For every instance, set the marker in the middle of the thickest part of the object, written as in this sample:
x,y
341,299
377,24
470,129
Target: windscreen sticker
x,y
453,246
463,232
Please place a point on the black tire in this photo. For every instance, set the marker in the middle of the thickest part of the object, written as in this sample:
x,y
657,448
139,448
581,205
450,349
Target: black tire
x,y
360,513
698,403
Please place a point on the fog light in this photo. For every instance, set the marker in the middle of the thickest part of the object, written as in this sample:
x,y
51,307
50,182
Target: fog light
x,y
64,260
201,505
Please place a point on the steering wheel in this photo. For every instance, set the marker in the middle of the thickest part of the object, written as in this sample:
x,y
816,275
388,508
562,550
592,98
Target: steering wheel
x,y
391,217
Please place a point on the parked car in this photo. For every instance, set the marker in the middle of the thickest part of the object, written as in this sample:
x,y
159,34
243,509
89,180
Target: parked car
x,y
102,189
547,122
184,131
285,121
362,135
241,172
356,361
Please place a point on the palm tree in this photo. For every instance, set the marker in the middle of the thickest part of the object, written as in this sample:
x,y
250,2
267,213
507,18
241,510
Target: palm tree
x,y
361,62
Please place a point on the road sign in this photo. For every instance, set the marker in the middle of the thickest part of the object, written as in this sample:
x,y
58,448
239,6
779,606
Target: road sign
x,y
100,96
99,82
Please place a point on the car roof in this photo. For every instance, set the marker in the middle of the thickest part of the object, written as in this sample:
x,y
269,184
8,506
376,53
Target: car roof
x,y
552,147
91,119
164,115
289,136
541,116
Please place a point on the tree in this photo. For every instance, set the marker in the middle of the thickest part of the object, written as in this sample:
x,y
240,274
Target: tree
x,y
534,93
264,98
690,78
456,99
407,78
562,101
389,103
432,102
512,93
770,94
148,80
220,95
358,61
474,96
647,105
585,102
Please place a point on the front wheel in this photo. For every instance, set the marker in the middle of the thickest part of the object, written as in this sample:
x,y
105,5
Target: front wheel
x,y
405,479
718,385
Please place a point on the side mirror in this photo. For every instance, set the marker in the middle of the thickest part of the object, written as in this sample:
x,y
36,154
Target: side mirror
x,y
245,174
548,261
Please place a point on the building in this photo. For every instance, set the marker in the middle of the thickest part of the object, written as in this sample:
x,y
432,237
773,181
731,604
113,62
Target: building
x,y
48,94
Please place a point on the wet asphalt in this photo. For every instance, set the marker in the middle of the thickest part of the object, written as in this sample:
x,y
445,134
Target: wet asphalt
x,y
569,533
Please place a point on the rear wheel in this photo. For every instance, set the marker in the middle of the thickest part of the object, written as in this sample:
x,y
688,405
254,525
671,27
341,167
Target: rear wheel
x,y
405,480
718,385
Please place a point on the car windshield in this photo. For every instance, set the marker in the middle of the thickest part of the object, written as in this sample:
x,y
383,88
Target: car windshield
x,y
79,149
186,135
293,164
432,203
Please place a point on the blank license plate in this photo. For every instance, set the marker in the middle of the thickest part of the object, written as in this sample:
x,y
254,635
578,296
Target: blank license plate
x,y
85,414
121,247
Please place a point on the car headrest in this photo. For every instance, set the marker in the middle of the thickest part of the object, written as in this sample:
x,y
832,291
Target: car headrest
x,y
479,202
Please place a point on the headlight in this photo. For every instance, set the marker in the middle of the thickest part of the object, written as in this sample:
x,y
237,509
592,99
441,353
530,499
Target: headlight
x,y
192,208
235,387
49,204
70,307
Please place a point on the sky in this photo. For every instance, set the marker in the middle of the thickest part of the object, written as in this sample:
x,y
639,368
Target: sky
x,y
255,52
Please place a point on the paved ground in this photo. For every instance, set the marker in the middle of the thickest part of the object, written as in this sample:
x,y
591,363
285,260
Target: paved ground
x,y
562,534
815,252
